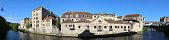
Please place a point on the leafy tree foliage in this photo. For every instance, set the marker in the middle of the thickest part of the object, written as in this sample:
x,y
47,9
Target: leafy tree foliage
x,y
4,27
28,26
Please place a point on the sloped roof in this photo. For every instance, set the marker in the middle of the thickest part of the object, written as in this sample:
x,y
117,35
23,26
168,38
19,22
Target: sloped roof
x,y
133,15
129,19
48,17
73,13
83,21
68,21
80,21
89,16
116,22
119,16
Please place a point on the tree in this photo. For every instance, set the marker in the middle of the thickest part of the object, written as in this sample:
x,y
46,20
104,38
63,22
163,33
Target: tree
x,y
14,26
4,27
58,24
28,26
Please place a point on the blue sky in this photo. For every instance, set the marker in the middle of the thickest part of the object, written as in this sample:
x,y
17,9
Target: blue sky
x,y
152,10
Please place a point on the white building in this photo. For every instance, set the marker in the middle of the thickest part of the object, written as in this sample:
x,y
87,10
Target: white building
x,y
22,25
76,23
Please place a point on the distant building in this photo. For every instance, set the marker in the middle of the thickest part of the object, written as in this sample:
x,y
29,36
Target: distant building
x,y
24,23
164,19
44,21
74,23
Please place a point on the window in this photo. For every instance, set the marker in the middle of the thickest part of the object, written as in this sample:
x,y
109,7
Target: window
x,y
79,26
118,26
87,27
73,25
37,25
110,26
100,21
83,15
115,26
110,29
36,14
72,19
94,16
65,25
63,20
121,26
95,27
99,27
37,21
72,28
105,27
124,26
36,18
43,24
128,26
70,25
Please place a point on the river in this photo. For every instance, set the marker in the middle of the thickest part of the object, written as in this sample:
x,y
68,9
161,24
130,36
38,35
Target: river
x,y
149,35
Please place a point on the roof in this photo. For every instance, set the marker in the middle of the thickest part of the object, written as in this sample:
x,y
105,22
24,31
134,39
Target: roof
x,y
130,19
74,14
119,16
80,21
117,22
48,17
39,7
133,15
105,14
83,21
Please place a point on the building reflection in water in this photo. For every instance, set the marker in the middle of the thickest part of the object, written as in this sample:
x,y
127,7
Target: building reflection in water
x,y
27,36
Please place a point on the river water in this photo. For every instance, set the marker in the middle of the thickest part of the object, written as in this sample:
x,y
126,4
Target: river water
x,y
150,35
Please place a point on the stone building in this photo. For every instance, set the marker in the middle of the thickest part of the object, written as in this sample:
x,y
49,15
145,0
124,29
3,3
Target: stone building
x,y
75,23
44,21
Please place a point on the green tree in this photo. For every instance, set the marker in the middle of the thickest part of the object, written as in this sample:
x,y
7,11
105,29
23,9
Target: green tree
x,y
4,27
58,24
28,25
14,26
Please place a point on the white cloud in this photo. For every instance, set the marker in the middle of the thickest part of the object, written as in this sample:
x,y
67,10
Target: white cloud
x,y
13,19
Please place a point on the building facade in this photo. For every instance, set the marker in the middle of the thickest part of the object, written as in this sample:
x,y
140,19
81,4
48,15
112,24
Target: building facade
x,y
24,23
75,23
164,19
44,21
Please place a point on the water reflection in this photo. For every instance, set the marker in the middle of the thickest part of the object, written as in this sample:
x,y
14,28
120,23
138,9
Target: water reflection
x,y
150,35
27,36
